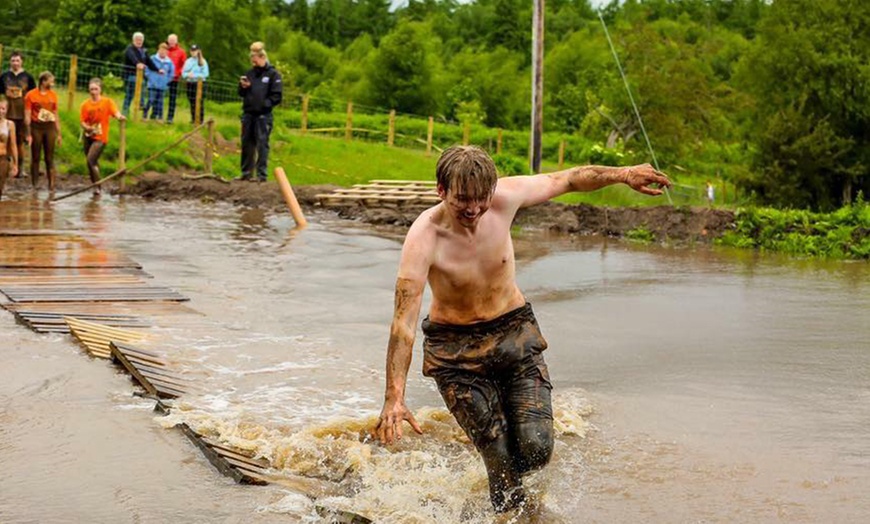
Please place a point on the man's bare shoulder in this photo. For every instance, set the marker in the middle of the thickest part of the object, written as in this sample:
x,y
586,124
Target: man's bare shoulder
x,y
426,225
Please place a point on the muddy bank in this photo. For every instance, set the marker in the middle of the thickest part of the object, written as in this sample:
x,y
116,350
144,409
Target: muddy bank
x,y
664,223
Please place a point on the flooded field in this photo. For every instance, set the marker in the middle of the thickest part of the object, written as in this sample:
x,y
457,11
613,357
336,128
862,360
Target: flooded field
x,y
691,385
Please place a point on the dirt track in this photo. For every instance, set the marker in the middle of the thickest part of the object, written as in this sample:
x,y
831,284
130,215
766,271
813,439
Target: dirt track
x,y
677,225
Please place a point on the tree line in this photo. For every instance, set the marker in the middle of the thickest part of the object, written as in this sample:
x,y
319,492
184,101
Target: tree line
x,y
771,95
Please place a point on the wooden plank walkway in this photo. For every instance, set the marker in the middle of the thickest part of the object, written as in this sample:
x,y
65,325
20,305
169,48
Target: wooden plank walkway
x,y
97,337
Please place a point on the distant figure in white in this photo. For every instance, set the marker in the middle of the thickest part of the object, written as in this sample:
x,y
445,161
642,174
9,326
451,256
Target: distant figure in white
x,y
711,193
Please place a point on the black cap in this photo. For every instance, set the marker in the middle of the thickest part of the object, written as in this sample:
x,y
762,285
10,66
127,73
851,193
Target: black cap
x,y
194,47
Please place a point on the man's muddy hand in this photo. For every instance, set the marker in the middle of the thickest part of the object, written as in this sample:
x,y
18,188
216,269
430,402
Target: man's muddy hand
x,y
389,427
641,177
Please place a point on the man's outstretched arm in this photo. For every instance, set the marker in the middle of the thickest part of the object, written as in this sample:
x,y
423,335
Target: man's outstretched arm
x,y
530,190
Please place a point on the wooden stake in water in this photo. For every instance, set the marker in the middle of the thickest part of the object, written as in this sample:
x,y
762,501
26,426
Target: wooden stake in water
x,y
290,197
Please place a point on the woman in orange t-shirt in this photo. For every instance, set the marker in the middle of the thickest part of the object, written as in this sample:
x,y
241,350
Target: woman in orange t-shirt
x,y
40,118
94,117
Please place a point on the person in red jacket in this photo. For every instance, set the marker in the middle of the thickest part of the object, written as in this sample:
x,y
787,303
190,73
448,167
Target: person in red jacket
x,y
178,56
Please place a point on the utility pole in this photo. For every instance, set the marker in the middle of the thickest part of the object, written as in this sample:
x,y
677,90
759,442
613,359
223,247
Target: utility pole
x,y
537,86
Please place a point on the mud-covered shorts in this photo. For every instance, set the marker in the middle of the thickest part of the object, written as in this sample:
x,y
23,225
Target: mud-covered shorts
x,y
492,374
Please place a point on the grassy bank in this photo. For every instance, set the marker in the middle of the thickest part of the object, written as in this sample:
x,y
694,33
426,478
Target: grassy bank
x,y
842,234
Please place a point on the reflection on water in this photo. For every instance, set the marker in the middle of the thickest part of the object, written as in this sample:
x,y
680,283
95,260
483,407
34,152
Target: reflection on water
x,y
692,385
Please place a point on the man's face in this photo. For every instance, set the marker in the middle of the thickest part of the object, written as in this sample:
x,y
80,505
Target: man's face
x,y
172,40
138,41
15,63
466,210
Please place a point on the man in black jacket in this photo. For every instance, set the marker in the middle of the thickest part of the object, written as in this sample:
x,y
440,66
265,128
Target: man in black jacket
x,y
260,90
135,57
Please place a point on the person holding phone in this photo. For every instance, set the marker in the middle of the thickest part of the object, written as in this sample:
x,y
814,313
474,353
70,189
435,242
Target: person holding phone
x,y
261,91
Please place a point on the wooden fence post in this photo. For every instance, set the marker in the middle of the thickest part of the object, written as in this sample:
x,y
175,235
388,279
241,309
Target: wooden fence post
x,y
73,77
429,132
466,133
197,118
348,126
122,151
561,154
391,133
304,114
137,94
209,147
498,143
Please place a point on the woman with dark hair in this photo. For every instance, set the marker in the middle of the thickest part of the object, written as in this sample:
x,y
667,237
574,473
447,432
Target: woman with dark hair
x,y
195,69
41,119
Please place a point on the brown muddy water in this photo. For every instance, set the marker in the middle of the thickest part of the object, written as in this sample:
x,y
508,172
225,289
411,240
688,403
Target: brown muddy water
x,y
692,385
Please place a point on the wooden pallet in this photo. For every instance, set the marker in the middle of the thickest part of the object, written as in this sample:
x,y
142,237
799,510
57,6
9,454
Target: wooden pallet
x,y
92,293
150,370
55,323
96,337
378,193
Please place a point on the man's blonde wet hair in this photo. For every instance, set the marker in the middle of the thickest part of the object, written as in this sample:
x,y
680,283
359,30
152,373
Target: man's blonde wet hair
x,y
468,169
258,49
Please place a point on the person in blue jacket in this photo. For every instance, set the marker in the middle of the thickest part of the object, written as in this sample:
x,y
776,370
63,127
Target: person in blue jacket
x,y
158,82
195,69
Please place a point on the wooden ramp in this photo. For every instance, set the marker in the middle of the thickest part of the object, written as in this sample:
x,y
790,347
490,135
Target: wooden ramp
x,y
50,285
150,370
384,193
97,337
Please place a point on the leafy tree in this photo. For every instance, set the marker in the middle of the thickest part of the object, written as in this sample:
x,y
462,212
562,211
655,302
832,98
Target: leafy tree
x,y
403,71
808,71
324,24
297,14
227,57
103,30
20,18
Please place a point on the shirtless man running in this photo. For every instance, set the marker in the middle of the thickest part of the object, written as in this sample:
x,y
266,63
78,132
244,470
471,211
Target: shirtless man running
x,y
482,343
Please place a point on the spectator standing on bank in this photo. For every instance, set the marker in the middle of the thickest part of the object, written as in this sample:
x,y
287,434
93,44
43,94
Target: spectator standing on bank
x,y
260,89
158,82
94,118
195,69
135,57
15,83
178,57
43,124
8,146
711,193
